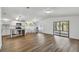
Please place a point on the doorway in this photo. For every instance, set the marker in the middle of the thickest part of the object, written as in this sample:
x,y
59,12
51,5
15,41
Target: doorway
x,y
61,28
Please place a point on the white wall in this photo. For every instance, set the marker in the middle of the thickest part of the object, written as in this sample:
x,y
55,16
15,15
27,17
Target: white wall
x,y
46,26
0,30
74,22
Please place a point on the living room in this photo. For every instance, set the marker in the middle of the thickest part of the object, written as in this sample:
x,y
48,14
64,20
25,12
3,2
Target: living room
x,y
39,29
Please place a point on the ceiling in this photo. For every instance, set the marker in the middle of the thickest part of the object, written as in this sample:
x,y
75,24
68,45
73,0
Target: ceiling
x,y
27,13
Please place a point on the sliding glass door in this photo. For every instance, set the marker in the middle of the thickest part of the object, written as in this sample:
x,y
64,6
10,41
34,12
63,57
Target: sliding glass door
x,y
61,28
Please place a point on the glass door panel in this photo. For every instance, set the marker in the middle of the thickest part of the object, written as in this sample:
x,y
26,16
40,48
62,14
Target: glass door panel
x,y
65,26
61,28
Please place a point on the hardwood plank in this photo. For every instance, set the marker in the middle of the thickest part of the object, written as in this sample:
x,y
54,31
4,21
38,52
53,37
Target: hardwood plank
x,y
39,42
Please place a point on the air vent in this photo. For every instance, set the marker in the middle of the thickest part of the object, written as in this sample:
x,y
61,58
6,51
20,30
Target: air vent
x,y
27,7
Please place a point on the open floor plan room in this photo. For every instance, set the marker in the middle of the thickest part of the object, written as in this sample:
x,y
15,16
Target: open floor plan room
x,y
39,29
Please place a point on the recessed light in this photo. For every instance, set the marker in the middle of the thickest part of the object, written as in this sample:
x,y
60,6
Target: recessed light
x,y
48,11
17,18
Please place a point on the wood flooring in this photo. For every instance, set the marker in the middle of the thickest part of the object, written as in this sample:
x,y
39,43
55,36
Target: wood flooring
x,y
39,42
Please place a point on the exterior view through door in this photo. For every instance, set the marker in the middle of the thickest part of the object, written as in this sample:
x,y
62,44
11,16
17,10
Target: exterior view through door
x,y
61,28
